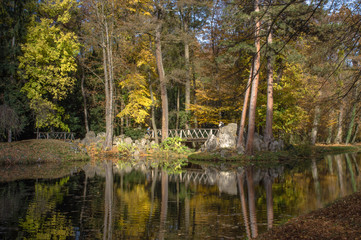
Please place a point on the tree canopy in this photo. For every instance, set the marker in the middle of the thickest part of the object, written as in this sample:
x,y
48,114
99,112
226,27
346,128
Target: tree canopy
x,y
111,65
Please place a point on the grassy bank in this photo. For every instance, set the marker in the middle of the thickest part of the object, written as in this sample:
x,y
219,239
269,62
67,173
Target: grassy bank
x,y
339,220
39,151
293,153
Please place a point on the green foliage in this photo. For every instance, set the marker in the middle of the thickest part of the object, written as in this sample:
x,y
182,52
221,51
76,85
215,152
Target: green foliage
x,y
174,144
125,148
49,62
134,133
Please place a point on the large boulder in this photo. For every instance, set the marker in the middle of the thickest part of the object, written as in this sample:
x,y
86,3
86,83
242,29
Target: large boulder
x,y
211,143
89,139
227,136
258,143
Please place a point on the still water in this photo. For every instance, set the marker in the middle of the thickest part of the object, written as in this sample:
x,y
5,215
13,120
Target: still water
x,y
142,200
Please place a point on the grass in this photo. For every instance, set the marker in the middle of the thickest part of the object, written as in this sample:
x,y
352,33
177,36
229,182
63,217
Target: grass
x,y
39,151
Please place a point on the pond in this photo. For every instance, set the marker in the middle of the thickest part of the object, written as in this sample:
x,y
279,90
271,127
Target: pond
x,y
140,200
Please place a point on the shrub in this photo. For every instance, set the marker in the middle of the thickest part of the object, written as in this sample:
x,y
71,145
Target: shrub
x,y
174,144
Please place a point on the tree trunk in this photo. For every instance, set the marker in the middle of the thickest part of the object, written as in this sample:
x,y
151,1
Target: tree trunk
x,y
188,80
122,118
316,121
84,101
240,141
195,100
253,100
163,87
10,135
352,123
355,134
106,44
268,135
154,125
178,108
338,139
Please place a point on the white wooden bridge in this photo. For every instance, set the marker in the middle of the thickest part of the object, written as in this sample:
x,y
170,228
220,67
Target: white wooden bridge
x,y
191,135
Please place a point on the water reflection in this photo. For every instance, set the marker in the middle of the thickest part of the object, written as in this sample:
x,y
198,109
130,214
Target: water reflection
x,y
158,200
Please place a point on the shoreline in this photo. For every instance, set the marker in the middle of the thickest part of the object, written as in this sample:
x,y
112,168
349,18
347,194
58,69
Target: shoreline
x,y
340,219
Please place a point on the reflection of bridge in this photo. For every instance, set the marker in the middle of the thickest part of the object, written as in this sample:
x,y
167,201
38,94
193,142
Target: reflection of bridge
x,y
196,134
199,177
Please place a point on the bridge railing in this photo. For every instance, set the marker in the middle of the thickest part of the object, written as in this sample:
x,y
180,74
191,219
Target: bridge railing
x,y
55,135
188,134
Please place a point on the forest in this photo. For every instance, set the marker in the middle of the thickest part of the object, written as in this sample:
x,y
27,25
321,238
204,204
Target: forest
x,y
285,69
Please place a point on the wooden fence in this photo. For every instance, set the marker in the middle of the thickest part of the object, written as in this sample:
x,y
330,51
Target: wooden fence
x,y
55,135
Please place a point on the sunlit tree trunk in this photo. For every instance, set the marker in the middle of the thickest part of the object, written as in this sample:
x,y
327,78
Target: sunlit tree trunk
x,y
240,140
163,87
329,137
253,100
240,177
268,134
316,121
84,101
106,28
252,202
188,80
195,100
338,139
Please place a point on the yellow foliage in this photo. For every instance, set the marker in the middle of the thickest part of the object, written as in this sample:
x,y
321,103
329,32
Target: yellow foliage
x,y
139,101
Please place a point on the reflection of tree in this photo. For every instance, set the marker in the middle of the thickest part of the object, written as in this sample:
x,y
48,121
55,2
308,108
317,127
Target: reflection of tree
x,y
108,201
338,159
267,180
349,166
316,183
164,204
252,201
240,177
186,208
42,221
